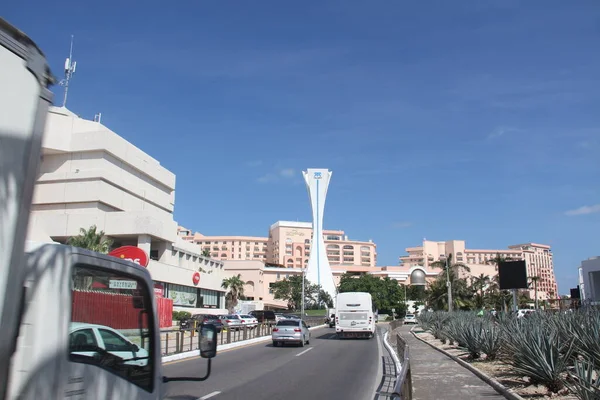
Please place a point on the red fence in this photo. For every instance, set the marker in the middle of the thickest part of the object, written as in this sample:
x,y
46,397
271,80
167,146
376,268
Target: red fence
x,y
116,310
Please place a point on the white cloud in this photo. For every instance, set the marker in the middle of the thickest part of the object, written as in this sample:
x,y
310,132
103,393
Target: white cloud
x,y
501,131
584,210
400,225
281,174
287,173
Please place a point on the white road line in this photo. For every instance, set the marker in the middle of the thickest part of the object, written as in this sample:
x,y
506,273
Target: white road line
x,y
208,396
302,352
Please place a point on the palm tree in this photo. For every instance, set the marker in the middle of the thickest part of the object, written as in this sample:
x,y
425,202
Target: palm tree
x,y
534,280
497,260
499,297
91,240
479,283
449,268
235,284
436,295
206,253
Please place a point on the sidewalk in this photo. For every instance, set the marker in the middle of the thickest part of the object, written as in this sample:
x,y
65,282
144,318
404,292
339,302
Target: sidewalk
x,y
435,376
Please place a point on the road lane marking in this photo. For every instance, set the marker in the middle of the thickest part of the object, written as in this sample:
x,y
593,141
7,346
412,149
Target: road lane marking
x,y
208,396
302,352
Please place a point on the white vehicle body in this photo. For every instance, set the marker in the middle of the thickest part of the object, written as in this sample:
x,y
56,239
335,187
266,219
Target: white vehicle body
x,y
90,335
249,321
410,319
354,316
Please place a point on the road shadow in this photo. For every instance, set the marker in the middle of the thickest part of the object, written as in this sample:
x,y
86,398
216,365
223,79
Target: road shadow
x,y
328,336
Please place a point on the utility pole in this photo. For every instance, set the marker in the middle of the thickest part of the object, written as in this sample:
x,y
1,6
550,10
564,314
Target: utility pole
x,y
302,303
448,283
535,279
70,67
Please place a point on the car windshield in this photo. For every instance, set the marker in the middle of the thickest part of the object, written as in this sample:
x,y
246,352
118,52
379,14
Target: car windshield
x,y
211,317
246,316
288,322
232,317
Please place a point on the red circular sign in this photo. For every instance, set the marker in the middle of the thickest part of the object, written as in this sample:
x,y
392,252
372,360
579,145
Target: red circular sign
x,y
131,253
196,278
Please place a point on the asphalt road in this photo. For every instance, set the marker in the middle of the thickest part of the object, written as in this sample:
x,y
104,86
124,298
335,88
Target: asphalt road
x,y
327,368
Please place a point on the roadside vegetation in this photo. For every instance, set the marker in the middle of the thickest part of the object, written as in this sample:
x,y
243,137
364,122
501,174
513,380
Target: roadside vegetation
x,y
555,350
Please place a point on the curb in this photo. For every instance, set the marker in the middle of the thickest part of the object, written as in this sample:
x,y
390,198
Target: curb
x,y
497,386
392,352
228,346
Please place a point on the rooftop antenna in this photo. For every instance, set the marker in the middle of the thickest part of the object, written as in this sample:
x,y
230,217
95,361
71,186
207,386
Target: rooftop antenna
x,y
70,66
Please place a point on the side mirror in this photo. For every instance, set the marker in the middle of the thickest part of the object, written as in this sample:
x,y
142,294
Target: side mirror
x,y
208,349
308,326
208,341
135,348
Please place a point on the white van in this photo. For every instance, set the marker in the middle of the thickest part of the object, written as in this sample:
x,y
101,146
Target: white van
x,y
354,315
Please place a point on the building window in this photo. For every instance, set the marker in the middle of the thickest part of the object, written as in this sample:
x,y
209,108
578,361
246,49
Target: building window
x,y
183,296
210,298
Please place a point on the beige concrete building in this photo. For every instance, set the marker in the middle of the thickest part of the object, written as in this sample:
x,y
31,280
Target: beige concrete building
x,y
89,175
288,244
538,258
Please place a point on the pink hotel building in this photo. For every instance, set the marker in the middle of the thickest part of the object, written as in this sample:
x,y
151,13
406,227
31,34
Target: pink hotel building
x,y
288,244
262,261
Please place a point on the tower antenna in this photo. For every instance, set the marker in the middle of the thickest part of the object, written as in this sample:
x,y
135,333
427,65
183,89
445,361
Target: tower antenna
x,y
70,66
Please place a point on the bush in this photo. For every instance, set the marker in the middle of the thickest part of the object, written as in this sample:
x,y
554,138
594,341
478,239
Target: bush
x,y
181,315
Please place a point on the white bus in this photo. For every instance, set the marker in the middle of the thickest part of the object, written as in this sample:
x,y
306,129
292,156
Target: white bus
x,y
354,315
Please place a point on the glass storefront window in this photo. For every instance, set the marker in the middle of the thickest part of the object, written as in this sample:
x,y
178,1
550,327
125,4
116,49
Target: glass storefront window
x,y
186,296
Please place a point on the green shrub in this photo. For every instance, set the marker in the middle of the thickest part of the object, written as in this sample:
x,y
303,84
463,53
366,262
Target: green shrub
x,y
180,315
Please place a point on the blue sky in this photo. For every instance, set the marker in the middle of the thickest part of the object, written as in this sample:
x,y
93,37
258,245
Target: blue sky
x,y
474,120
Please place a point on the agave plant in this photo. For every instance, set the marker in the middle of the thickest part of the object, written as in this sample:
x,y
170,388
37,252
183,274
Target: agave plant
x,y
586,331
491,339
539,352
437,328
583,381
425,319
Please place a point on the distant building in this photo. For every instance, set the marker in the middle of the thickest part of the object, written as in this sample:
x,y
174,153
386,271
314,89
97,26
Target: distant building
x,y
589,280
538,258
288,244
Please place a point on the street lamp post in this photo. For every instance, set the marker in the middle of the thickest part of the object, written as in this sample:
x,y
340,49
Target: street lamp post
x,y
448,283
405,299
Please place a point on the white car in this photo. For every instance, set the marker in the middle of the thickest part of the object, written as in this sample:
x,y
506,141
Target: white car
x,y
410,319
90,340
249,321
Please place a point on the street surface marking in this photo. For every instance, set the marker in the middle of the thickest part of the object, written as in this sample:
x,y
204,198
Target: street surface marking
x,y
302,352
208,396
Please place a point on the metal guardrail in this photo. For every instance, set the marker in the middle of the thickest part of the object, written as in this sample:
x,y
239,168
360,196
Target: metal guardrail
x,y
396,324
180,341
174,341
403,386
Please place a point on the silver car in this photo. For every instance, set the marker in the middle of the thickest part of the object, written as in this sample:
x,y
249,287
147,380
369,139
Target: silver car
x,y
231,321
291,331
